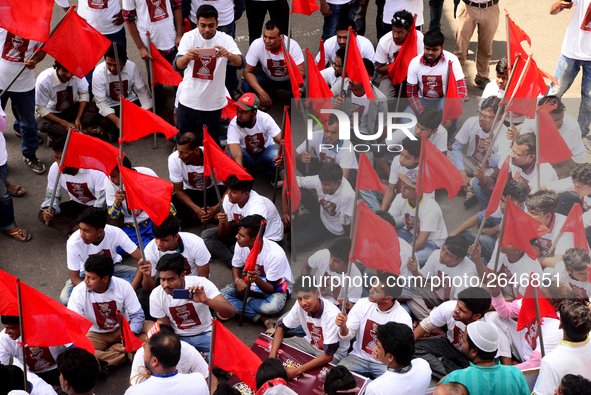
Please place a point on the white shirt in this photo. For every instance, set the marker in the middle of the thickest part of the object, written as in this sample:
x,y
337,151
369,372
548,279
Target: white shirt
x,y
193,383
101,308
156,18
225,9
191,247
186,317
329,76
257,204
387,49
566,240
78,252
56,95
492,89
517,274
547,174
413,6
39,359
432,81
430,217
342,154
99,14
190,175
396,168
331,46
434,268
577,42
204,78
111,189
15,50
273,62
322,278
85,187
443,315
472,134
257,138
414,381
38,386
582,290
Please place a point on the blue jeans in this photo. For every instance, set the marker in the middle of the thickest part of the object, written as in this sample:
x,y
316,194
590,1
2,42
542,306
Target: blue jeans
x,y
262,159
201,342
255,307
373,199
23,108
482,195
124,272
330,22
373,370
436,10
6,205
270,86
425,253
145,233
566,71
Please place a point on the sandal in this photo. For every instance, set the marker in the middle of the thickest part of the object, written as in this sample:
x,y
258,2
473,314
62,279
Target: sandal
x,y
587,144
270,331
19,234
15,190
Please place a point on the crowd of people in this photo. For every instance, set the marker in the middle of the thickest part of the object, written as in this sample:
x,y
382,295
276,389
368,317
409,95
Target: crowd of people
x,y
467,336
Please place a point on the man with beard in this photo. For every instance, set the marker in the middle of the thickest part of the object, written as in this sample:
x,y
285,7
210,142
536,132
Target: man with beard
x,y
340,41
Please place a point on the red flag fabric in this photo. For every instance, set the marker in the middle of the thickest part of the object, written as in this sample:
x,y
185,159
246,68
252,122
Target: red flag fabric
x,y
77,45
523,98
295,76
322,62
87,152
437,171
398,69
187,26
163,72
553,148
574,224
367,177
305,7
232,355
527,313
148,193
497,193
222,164
138,123
229,112
30,19
318,89
290,165
47,323
452,108
516,37
251,259
132,342
355,69
520,228
376,244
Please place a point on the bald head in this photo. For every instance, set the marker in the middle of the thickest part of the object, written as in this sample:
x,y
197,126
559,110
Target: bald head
x,y
451,389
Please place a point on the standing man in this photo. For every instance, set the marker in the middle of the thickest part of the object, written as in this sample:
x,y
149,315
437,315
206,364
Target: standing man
x,y
256,10
106,17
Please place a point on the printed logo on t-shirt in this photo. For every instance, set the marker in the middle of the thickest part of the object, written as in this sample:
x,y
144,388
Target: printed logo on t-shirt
x,y
316,338
196,180
329,207
187,270
518,177
356,108
370,338
14,48
255,143
432,86
38,358
275,67
260,269
65,98
98,4
443,292
237,217
544,245
531,334
326,288
103,252
204,67
324,158
105,314
80,191
578,292
157,10
508,288
185,316
457,342
409,220
115,91
479,150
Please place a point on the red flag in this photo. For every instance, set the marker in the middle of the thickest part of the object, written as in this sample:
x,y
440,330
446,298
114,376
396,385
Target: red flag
x,y
232,355
553,148
497,193
47,323
77,45
367,177
148,193
376,244
398,69
523,98
516,37
305,7
29,19
187,26
138,123
439,171
222,164
295,76
132,342
318,91
452,108
355,69
251,259
87,152
229,112
163,72
322,62
527,313
520,228
574,224
290,163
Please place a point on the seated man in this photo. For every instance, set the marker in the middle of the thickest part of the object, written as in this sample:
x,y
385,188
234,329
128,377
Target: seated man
x,y
106,89
575,189
362,321
240,201
39,360
253,136
317,318
86,188
574,269
190,318
168,239
98,299
78,370
274,73
338,41
394,349
95,237
332,74
62,102
269,282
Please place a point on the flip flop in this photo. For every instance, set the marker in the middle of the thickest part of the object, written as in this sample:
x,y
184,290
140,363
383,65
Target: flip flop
x,y
587,144
19,232
15,190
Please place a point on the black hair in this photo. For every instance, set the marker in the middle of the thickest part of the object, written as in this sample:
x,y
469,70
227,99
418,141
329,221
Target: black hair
x,y
79,368
171,226
93,216
386,216
235,184
101,264
402,18
5,380
485,355
274,23
18,377
58,144
207,11
582,173
576,258
502,66
476,299
338,380
491,103
270,369
252,224
166,347
398,340
457,245
304,283
331,172
433,38
575,385
340,53
340,248
412,146
332,119
226,389
455,388
189,138
173,262
121,53
390,287
528,139
369,66
126,163
344,24
545,201
430,118
57,65
553,100
575,317
516,190
10,320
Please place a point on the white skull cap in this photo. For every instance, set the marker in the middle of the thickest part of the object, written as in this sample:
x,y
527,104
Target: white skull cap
x,y
484,336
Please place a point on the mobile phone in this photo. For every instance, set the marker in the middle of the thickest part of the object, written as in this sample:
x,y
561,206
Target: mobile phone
x,y
182,294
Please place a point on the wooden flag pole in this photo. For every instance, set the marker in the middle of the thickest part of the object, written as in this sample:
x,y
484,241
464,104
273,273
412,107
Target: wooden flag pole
x,y
418,201
120,321
538,320
345,63
283,123
348,279
509,61
246,291
57,177
554,243
211,353
353,224
121,97
152,85
22,329
307,87
205,178
289,29
538,159
217,190
501,231
286,184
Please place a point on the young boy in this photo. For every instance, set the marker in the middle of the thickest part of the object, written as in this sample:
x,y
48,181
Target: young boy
x,y
574,269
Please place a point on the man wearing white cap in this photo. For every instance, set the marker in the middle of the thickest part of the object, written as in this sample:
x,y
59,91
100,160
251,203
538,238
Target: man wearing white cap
x,y
486,375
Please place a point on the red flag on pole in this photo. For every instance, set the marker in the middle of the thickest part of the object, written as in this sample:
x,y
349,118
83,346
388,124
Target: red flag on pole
x,y
520,229
355,69
187,26
305,7
148,193
574,224
527,313
77,45
322,62
87,152
516,37
376,244
229,112
398,69
553,148
222,164
437,171
452,108
138,123
251,259
290,165
522,98
497,193
30,19
318,91
163,72
367,177
295,76
232,355
47,323
131,341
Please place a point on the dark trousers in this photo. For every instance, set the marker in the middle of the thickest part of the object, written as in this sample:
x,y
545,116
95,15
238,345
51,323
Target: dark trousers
x,y
256,12
159,98
308,230
55,130
65,221
442,356
119,38
23,109
190,120
108,126
185,214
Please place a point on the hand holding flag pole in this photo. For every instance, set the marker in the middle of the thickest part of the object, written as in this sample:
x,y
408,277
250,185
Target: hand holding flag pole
x,y
57,177
152,84
250,265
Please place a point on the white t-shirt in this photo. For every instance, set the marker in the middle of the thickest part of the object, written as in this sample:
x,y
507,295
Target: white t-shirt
x,y
360,106
38,385
443,315
472,134
322,277
582,290
186,317
341,202
513,272
111,189
15,50
225,10
566,240
329,76
577,41
84,187
204,79
331,46
58,96
155,18
257,138
180,383
547,174
271,265
414,381
447,290
78,252
273,62
342,154
39,359
394,179
430,217
99,14
432,81
190,175
261,205
101,308
387,49
105,84
413,6
191,247
492,89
